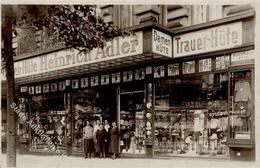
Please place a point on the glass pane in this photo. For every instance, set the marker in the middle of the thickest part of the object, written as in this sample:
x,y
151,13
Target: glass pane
x,y
191,116
188,67
205,65
173,69
241,104
222,62
49,117
158,71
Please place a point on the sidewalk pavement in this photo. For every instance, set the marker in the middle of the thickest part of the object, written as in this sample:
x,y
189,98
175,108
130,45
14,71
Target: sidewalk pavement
x,y
73,161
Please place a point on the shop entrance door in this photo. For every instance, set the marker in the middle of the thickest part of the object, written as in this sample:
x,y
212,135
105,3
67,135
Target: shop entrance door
x,y
96,105
131,119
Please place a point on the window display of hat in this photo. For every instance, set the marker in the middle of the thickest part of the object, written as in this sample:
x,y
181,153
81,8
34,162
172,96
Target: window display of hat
x,y
148,133
214,136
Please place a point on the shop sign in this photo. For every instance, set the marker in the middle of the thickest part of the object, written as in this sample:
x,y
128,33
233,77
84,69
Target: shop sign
x,y
104,79
84,82
162,43
75,84
139,74
173,69
205,65
119,47
94,81
31,90
208,40
23,89
243,56
116,77
158,71
218,114
222,62
46,88
62,85
127,76
54,87
67,82
188,67
242,136
38,89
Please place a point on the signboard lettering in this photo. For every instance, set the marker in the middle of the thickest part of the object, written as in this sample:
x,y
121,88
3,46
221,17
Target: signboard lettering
x,y
119,47
211,39
162,43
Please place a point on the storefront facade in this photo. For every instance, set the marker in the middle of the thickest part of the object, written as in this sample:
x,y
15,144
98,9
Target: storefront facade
x,y
188,92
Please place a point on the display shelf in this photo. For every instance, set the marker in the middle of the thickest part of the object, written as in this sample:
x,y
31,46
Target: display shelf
x,y
47,114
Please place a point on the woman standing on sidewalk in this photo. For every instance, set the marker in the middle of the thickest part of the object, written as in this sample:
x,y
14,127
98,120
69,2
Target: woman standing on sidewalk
x,y
101,139
88,140
114,140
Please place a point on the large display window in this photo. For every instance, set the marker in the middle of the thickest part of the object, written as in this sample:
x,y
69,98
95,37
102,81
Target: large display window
x,y
191,117
49,117
241,105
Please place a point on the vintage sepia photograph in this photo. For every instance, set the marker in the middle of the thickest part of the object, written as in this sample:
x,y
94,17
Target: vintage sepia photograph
x,y
128,85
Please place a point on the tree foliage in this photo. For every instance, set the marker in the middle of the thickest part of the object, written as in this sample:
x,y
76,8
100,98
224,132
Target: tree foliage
x,y
78,26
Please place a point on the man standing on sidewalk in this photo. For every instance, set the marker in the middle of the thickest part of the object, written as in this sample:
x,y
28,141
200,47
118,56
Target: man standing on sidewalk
x,y
88,140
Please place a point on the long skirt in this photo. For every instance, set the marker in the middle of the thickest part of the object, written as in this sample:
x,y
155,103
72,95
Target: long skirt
x,y
88,145
114,144
100,146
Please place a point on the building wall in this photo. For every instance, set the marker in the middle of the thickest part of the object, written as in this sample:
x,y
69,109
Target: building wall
x,y
171,16
175,16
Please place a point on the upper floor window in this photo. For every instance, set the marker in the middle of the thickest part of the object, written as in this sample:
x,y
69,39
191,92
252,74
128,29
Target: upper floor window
x,y
205,13
199,14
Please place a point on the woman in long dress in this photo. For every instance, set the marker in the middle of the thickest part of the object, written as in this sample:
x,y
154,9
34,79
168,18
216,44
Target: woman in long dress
x,y
101,139
114,140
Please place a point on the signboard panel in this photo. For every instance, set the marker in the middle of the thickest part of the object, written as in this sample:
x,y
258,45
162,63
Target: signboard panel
x,y
162,43
119,47
208,40
243,56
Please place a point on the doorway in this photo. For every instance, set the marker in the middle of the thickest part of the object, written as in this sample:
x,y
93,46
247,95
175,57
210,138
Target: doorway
x,y
131,118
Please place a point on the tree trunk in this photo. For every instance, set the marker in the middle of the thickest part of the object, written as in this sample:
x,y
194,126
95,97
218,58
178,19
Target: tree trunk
x,y
7,36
